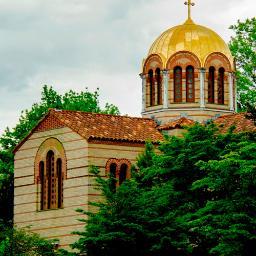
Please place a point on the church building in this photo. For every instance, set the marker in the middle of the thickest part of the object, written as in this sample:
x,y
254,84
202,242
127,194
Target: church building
x,y
187,77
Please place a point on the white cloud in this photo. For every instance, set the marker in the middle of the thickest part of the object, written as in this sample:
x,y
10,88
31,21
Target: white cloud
x,y
100,43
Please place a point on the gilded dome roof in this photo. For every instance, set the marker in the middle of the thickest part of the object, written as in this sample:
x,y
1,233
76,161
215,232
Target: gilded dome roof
x,y
190,37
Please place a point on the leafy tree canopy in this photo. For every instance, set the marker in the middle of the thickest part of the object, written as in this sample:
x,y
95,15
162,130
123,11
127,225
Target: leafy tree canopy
x,y
83,101
243,48
22,242
197,197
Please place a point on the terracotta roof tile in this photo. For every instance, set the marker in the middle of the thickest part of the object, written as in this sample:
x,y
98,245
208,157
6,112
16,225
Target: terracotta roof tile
x,y
239,120
109,127
179,123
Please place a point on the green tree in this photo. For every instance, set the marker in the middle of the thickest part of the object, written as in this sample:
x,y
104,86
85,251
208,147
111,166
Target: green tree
x,y
226,221
196,197
82,101
243,48
24,243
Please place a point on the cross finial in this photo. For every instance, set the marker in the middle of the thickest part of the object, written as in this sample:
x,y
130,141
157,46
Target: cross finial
x,y
189,3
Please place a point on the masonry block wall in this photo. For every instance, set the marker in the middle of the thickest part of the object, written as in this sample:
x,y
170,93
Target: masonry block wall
x,y
78,185
52,223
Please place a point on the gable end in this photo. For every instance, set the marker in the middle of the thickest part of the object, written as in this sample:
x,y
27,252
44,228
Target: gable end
x,y
49,123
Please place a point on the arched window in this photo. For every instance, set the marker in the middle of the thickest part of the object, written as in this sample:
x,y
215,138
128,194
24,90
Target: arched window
x,y
50,173
42,180
159,86
221,86
118,170
211,85
190,84
177,84
123,173
112,173
51,182
151,88
60,183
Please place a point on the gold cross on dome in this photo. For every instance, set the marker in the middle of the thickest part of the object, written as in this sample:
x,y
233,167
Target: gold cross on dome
x,y
189,4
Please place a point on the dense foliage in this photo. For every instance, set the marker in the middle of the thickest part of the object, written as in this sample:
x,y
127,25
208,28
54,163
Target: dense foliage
x,y
243,48
83,101
22,242
197,197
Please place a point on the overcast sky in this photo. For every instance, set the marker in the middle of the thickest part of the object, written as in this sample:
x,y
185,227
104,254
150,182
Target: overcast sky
x,y
91,43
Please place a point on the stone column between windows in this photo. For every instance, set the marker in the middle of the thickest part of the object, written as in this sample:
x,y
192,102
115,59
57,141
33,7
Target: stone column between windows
x,y
231,95
202,87
156,90
165,83
144,84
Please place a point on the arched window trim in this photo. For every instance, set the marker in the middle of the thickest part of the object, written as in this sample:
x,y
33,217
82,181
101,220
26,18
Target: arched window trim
x,y
190,84
177,81
119,164
221,81
211,85
51,178
56,148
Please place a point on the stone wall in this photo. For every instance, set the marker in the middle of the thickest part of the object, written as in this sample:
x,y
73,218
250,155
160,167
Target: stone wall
x,y
57,223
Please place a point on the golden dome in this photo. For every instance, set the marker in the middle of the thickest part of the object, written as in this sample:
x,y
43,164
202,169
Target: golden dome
x,y
190,37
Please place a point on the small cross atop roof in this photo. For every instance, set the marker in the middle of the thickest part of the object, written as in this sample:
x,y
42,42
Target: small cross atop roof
x,y
189,3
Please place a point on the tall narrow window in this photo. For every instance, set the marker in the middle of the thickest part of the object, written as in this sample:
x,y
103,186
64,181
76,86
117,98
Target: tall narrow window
x,y
118,171
123,173
60,183
50,173
151,88
42,180
221,86
190,84
211,86
113,173
51,180
178,84
159,86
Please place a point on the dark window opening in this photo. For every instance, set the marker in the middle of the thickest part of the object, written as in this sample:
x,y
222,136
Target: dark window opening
x,y
221,86
151,88
211,84
159,86
123,173
113,172
50,174
190,84
177,84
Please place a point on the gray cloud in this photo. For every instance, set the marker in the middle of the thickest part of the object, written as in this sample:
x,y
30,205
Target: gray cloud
x,y
100,43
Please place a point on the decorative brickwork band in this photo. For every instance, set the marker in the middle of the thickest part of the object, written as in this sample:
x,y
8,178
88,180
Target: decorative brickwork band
x,y
49,123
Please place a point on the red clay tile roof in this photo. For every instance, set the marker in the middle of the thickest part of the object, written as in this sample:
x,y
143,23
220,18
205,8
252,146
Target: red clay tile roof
x,y
179,123
239,120
109,127
94,126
